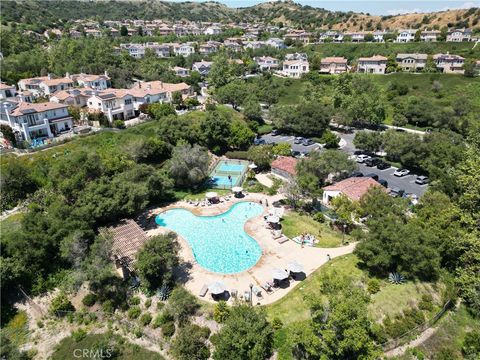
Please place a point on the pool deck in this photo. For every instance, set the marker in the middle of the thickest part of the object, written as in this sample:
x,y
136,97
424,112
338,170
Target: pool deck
x,y
274,255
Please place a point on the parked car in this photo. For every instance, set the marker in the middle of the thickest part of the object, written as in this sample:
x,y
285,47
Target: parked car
x,y
401,172
412,198
372,162
298,140
383,182
357,174
295,153
275,132
382,165
421,180
373,176
307,142
362,158
395,192
259,142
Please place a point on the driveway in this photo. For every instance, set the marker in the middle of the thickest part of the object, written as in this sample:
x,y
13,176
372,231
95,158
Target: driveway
x,y
270,139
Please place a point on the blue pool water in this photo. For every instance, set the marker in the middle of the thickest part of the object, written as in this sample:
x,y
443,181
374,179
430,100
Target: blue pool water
x,y
235,168
219,243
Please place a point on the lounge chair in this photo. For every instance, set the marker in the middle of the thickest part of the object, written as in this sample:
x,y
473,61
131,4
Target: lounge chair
x,y
234,293
277,234
266,286
203,291
246,295
257,292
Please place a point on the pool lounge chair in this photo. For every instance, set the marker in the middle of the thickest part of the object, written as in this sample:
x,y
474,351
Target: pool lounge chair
x,y
234,293
203,291
283,239
246,295
268,289
257,292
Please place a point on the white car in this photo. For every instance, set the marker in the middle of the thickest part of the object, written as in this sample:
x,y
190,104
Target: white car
x,y
401,172
362,158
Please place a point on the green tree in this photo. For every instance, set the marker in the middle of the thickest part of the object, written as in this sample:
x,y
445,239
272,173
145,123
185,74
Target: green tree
x,y
221,311
159,110
191,343
251,108
221,72
182,304
241,137
189,165
261,155
246,334
233,93
469,68
157,259
123,31
16,184
370,141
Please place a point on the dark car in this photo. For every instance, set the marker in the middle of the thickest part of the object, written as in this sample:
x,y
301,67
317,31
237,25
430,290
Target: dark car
x,y
373,176
259,142
421,180
372,162
382,165
357,174
383,182
275,132
396,192
307,142
295,153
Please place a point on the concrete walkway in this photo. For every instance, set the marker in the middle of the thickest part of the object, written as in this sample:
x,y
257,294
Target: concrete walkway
x,y
264,180
274,255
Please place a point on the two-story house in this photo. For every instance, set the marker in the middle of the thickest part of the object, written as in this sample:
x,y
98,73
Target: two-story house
x,y
208,48
45,85
356,36
379,36
203,67
333,65
429,35
7,91
276,43
36,120
405,36
114,103
411,62
373,65
266,63
459,35
295,68
448,63
99,82
180,71
184,50
73,97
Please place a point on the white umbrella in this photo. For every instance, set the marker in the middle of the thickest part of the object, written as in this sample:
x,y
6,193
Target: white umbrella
x,y
211,195
252,166
279,274
237,189
273,219
295,267
217,287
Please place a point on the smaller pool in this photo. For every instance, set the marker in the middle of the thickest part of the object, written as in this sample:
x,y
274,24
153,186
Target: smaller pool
x,y
219,243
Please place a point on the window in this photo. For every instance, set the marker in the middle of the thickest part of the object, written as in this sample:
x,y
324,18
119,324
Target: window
x,y
128,101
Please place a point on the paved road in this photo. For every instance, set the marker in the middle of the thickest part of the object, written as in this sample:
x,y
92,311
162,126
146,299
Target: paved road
x,y
406,183
269,139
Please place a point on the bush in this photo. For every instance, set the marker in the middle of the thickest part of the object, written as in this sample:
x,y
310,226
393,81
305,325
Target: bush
x,y
148,303
145,319
277,323
330,140
89,299
134,312
108,306
242,155
319,217
134,301
79,335
138,333
221,311
61,305
160,305
373,286
471,345
183,304
426,303
168,329
162,318
119,124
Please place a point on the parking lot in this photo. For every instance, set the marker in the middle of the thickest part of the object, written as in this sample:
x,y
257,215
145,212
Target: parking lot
x,y
270,139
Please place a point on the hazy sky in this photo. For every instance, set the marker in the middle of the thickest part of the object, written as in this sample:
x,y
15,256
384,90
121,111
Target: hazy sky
x,y
375,7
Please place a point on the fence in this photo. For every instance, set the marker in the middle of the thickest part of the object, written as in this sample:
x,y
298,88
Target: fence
x,y
393,343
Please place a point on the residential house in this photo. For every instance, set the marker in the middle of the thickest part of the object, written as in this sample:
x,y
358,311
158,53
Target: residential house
x,y
459,35
379,36
161,50
331,35
114,32
99,82
296,56
285,167
164,30
114,103
353,188
267,63
295,68
448,63
203,67
136,51
373,65
333,65
356,36
299,35
181,72
74,34
233,46
93,33
412,62
73,97
212,30
208,48
429,35
276,43
405,36
254,45
36,120
184,50
7,91
45,85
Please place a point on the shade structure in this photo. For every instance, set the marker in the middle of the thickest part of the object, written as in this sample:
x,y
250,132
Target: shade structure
x,y
252,166
211,195
237,189
217,288
273,219
295,267
279,274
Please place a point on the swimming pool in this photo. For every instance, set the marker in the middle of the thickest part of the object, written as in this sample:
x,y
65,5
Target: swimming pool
x,y
219,243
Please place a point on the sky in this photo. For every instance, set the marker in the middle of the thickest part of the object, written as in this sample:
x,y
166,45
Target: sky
x,y
374,7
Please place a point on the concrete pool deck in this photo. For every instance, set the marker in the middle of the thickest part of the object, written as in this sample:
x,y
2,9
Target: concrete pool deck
x,y
274,255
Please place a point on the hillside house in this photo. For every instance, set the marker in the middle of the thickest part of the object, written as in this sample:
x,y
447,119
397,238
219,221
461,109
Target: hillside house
x,y
449,64
353,188
372,65
412,62
333,65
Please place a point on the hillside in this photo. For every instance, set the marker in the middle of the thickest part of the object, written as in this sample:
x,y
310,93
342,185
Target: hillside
x,y
57,12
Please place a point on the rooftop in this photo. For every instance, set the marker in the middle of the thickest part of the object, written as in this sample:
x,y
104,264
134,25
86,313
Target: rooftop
x,y
128,238
285,163
353,188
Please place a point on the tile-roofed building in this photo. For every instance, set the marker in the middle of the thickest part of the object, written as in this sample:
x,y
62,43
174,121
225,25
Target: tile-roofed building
x,y
7,91
449,63
45,85
333,65
295,68
412,62
99,82
203,67
266,63
353,188
373,65
405,36
459,35
285,166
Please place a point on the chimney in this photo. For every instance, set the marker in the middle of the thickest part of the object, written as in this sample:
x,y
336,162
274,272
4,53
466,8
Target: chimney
x,y
106,73
67,75
49,76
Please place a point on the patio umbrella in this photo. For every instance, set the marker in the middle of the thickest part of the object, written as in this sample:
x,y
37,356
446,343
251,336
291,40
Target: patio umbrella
x,y
217,288
273,219
252,166
279,274
211,195
237,189
295,267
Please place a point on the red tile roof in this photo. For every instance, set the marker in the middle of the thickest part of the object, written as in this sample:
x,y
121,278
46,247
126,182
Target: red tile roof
x,y
285,163
353,188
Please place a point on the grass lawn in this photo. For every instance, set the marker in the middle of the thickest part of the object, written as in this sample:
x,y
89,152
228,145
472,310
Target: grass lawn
x,y
126,351
16,329
11,223
292,90
200,195
294,224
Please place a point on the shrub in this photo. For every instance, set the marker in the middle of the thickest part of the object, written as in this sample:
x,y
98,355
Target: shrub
x,y
373,286
183,304
40,324
134,301
221,311
79,335
242,155
277,323
61,305
471,345
119,124
319,217
160,305
89,299
138,332
145,319
168,329
148,303
162,318
134,312
426,303
108,306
